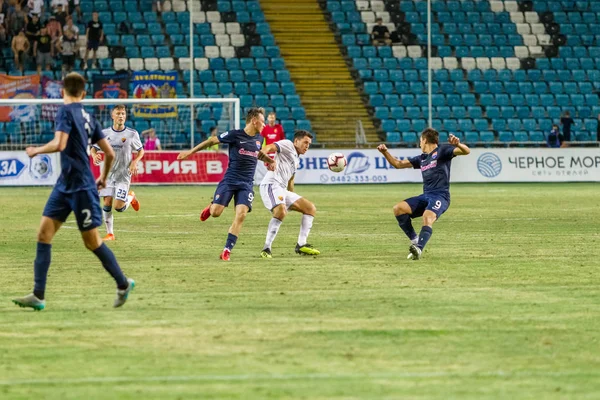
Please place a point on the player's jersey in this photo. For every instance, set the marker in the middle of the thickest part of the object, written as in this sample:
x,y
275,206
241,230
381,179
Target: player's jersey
x,y
272,134
435,168
76,174
123,142
243,154
288,161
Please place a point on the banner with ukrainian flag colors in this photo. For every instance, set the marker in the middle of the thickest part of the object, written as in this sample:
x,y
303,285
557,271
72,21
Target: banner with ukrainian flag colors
x,y
155,85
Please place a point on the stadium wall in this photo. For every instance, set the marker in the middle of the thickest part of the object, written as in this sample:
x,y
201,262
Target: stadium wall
x,y
364,166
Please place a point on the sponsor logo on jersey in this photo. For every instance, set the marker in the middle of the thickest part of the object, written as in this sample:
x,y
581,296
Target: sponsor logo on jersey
x,y
433,164
434,155
245,152
258,144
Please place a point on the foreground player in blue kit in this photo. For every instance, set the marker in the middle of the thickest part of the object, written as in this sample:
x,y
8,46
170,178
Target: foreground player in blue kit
x,y
244,150
75,191
434,164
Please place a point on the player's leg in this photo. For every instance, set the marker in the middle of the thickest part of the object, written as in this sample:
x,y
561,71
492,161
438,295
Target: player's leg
x,y
125,198
436,206
308,211
274,201
85,206
107,213
56,211
403,212
221,198
243,205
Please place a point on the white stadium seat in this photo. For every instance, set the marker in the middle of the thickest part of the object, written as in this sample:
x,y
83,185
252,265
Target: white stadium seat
x,y
513,63
121,63
227,52
136,64
521,51
450,63
367,16
213,16
151,64
384,15
498,63
167,64
468,63
414,51
377,5
517,17
222,40
532,17
233,28
199,17
496,6
217,28
211,51
399,51
201,63
436,63
511,6
483,63
362,5
523,29
530,40
535,51
538,29
238,40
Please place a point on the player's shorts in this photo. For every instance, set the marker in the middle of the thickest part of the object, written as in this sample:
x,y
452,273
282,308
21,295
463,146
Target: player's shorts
x,y
85,204
274,195
432,202
241,194
116,190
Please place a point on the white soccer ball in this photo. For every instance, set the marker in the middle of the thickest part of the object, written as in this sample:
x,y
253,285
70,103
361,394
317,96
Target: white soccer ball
x,y
336,162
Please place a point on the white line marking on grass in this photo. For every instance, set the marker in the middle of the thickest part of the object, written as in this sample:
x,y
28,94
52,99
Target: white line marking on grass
x,y
285,377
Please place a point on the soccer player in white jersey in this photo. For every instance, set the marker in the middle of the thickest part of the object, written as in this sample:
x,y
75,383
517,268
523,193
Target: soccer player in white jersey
x,y
277,191
124,141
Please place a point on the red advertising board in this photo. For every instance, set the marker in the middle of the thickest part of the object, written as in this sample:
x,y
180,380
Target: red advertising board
x,y
163,167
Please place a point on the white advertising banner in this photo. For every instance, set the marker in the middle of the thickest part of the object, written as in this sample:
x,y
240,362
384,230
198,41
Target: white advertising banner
x,y
16,169
482,165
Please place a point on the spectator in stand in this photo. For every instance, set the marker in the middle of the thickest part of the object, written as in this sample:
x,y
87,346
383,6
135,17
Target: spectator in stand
x,y
54,29
20,47
272,132
67,47
61,15
32,30
63,5
3,36
70,26
94,35
73,7
17,20
555,139
152,142
36,7
43,50
380,34
566,121
3,19
213,132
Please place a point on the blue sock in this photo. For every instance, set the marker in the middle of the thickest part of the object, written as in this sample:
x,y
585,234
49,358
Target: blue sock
x,y
109,262
406,226
231,239
424,236
40,269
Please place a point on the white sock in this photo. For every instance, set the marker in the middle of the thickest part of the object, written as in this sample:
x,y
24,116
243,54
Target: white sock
x,y
305,225
415,241
274,225
108,218
129,198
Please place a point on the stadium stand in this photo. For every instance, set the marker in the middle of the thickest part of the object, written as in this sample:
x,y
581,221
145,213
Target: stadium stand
x,y
503,71
235,54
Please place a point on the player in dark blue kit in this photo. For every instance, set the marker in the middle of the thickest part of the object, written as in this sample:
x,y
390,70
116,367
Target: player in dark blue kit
x,y
434,164
244,151
76,191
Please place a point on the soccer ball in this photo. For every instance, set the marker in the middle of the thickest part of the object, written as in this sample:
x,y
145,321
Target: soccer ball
x,y
336,162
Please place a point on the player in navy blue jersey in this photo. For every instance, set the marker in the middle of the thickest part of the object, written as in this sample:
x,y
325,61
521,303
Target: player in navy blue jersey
x,y
434,164
76,191
244,151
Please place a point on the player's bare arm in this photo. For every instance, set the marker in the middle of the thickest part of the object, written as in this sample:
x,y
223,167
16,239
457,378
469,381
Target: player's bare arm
x,y
263,155
109,157
211,141
461,149
57,144
96,156
133,165
398,164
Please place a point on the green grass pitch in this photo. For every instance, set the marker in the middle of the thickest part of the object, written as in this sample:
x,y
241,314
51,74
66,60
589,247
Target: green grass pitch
x,y
505,303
